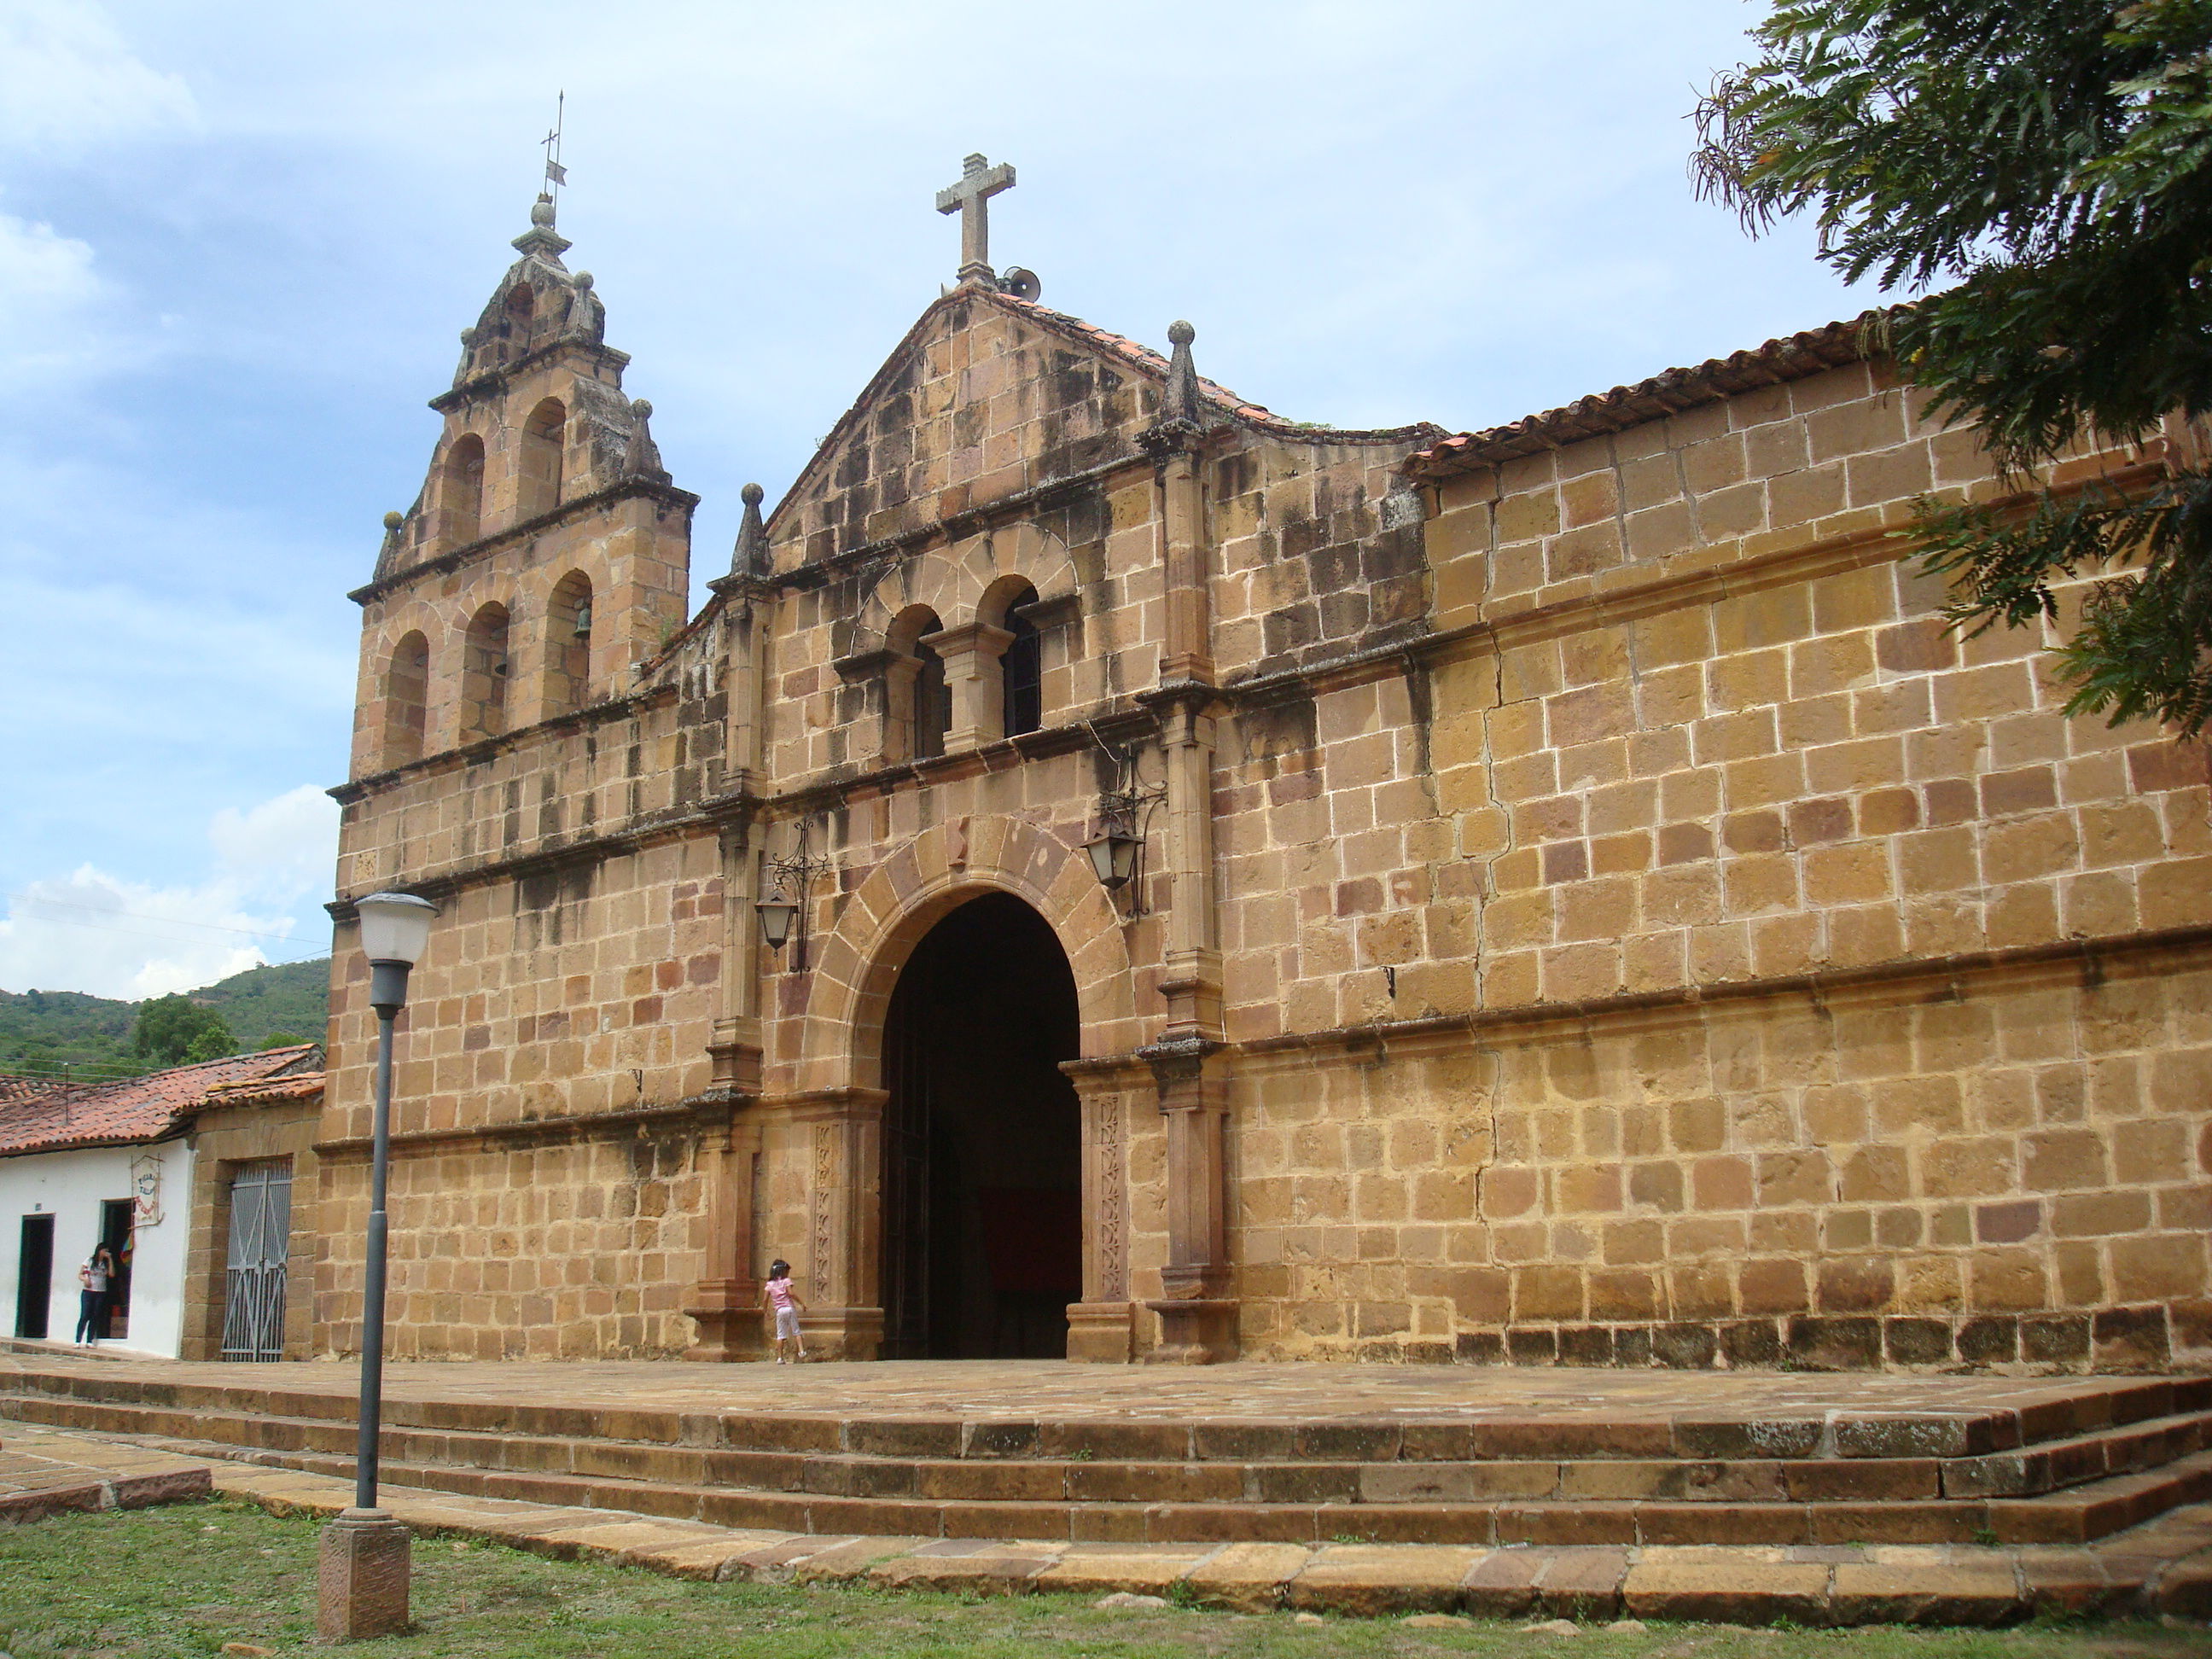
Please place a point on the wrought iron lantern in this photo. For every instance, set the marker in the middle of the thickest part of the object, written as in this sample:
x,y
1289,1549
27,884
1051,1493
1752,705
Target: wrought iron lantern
x,y
1114,853
783,915
1117,851
776,916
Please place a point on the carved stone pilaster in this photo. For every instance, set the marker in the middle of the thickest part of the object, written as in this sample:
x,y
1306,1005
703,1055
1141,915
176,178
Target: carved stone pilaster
x,y
838,1281
1101,1328
726,1300
1197,1310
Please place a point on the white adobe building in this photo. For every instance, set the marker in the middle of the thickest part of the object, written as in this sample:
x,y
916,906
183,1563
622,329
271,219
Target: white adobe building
x,y
116,1164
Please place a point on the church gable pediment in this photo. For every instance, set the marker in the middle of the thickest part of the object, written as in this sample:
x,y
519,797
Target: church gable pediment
x,y
986,398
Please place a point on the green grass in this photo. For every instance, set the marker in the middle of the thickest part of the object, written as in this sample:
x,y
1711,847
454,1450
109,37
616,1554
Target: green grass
x,y
173,1583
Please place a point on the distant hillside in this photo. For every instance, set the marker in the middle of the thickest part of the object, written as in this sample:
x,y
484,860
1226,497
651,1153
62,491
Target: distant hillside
x,y
47,1030
292,996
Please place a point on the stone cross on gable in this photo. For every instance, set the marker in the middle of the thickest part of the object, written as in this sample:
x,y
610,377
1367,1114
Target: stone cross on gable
x,y
979,182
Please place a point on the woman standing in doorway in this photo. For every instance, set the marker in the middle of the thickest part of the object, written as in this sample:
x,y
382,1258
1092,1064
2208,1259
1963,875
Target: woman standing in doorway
x,y
93,1280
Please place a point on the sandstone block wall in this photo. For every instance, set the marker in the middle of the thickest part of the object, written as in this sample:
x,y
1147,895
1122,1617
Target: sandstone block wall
x,y
1645,935
576,1244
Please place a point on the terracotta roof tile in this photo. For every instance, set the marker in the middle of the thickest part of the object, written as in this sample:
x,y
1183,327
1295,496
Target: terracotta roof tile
x,y
27,1088
267,1091
1794,357
139,1109
1150,363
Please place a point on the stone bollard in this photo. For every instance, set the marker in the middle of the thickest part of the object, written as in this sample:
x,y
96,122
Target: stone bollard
x,y
363,1577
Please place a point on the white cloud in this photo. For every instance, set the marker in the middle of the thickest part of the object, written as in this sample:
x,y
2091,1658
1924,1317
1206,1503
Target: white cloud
x,y
68,81
284,847
89,930
53,293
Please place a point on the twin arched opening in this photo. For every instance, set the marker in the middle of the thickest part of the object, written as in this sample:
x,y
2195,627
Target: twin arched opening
x,y
969,685
538,461
487,676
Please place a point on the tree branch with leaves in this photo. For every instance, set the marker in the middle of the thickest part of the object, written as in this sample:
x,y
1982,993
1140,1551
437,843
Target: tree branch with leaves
x,y
2051,161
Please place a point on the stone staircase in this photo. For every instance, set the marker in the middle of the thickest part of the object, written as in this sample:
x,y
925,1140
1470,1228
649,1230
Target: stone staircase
x,y
2075,1466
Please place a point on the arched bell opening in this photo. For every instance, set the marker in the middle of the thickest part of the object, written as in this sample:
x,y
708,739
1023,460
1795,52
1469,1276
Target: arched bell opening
x,y
981,1145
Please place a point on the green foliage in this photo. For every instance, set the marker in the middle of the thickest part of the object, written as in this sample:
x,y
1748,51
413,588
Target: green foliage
x,y
92,1038
278,1040
2053,160
290,996
175,1030
44,1031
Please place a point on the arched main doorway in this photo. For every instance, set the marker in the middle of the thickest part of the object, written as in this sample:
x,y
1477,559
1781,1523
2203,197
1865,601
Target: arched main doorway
x,y
982,1176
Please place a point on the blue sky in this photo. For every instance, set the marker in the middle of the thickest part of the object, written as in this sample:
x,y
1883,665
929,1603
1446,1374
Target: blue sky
x,y
237,243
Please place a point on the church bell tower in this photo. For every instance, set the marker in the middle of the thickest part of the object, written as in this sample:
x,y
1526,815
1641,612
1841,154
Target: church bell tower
x,y
547,553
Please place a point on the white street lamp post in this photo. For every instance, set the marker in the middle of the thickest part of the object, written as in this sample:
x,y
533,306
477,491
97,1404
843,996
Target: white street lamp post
x,y
364,1567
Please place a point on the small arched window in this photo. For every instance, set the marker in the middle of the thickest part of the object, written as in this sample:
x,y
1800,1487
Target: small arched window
x,y
568,624
918,710
1021,666
406,700
543,434
484,675
460,496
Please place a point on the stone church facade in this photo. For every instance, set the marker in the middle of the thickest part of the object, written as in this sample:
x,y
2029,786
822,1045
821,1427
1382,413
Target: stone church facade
x,y
1582,906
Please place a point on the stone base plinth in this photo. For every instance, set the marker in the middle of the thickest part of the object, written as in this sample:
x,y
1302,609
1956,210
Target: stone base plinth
x,y
732,1327
1101,1333
362,1578
1194,1331
841,1332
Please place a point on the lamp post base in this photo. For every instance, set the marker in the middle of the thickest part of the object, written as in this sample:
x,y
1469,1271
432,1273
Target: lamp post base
x,y
362,1578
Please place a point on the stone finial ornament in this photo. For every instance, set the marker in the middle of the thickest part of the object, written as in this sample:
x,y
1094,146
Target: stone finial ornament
x,y
1181,421
468,355
541,238
393,521
641,458
588,315
751,556
1179,398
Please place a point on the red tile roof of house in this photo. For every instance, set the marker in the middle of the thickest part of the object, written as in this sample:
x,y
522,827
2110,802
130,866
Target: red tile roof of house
x,y
1794,357
143,1108
27,1088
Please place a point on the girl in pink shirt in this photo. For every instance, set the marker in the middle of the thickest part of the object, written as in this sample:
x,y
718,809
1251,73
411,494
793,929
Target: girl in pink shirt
x,y
778,1294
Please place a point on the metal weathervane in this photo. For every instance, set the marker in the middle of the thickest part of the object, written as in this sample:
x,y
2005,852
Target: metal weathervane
x,y
555,174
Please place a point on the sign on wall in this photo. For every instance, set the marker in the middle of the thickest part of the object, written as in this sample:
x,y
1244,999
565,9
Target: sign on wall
x,y
146,1187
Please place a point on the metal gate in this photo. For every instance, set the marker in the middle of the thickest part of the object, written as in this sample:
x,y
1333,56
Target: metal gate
x,y
260,1241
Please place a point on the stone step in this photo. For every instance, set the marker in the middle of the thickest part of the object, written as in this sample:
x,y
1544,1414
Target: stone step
x,y
2097,1405
2023,1472
1410,1486
2160,1569
2079,1516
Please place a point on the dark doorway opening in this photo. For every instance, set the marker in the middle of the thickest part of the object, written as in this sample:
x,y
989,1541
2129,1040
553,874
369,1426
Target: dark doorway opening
x,y
116,1215
34,1276
982,1174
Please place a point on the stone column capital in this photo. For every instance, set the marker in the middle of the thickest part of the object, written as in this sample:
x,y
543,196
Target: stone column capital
x,y
975,639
